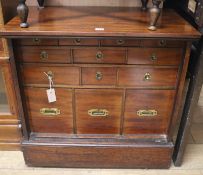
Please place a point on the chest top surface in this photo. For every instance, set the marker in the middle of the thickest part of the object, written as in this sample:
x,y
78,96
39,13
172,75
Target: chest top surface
x,y
98,21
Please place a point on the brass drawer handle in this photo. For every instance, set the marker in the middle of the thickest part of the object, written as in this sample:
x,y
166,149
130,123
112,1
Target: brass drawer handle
x,y
120,41
50,111
162,43
44,55
36,40
147,113
98,112
153,57
50,74
99,55
147,76
99,76
77,41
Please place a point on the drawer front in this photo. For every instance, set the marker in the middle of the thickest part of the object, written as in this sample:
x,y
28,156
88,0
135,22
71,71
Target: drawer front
x,y
162,43
120,42
94,55
35,74
99,76
155,56
43,54
98,111
47,117
148,111
78,42
36,42
146,77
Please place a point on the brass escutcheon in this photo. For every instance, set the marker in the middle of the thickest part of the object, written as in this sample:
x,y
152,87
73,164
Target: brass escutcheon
x,y
120,41
99,55
147,76
44,55
147,113
99,76
36,40
77,40
50,111
98,112
153,57
162,43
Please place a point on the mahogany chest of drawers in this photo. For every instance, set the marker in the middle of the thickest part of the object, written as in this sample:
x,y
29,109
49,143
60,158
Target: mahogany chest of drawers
x,y
118,93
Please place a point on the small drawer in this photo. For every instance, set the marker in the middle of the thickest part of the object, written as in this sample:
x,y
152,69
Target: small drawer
x,y
155,56
44,117
78,42
61,75
98,111
35,42
43,54
95,55
99,76
120,42
148,111
162,43
147,77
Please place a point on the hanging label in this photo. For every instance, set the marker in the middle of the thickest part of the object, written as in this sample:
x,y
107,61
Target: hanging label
x,y
192,5
51,94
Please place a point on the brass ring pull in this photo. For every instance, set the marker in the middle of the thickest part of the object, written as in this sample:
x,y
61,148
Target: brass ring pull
x,y
120,41
153,57
162,43
147,77
36,40
99,76
77,41
44,55
99,55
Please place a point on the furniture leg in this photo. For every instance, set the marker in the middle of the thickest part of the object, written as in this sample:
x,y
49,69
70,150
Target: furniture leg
x,y
144,4
155,12
23,11
41,3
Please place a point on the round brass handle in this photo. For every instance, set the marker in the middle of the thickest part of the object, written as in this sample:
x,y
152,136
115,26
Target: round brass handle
x,y
44,55
77,40
120,41
99,76
147,76
162,43
99,55
50,74
153,57
36,40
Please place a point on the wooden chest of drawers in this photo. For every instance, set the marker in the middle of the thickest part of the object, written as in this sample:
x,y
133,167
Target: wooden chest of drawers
x,y
117,94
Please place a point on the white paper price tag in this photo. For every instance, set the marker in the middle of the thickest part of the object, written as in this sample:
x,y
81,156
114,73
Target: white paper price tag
x,y
51,94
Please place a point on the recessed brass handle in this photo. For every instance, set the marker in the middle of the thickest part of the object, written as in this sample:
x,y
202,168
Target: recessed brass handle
x,y
147,113
120,41
44,55
99,76
153,57
50,111
77,41
99,55
147,76
36,40
162,43
98,112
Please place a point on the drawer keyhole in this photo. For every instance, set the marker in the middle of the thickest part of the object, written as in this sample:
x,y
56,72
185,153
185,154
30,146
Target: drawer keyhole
x,y
99,55
162,43
153,57
120,42
78,41
36,40
147,77
99,76
44,55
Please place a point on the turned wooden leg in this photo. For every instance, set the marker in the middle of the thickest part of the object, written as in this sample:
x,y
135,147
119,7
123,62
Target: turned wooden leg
x,y
144,4
41,3
155,12
23,11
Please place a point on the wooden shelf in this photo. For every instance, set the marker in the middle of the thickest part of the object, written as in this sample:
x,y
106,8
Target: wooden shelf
x,y
97,21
